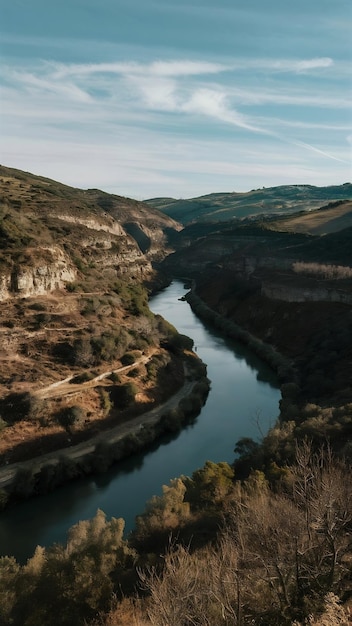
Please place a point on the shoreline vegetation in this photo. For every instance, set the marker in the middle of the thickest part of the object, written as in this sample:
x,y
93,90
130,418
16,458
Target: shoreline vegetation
x,y
282,366
42,474
262,541
265,533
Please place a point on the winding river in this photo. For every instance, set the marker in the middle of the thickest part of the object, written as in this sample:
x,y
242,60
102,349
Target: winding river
x,y
243,402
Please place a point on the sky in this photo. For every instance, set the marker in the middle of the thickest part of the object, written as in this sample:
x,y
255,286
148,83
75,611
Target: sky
x,y
152,98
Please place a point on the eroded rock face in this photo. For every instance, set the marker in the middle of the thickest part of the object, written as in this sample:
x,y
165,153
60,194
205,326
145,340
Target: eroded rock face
x,y
45,269
110,226
5,286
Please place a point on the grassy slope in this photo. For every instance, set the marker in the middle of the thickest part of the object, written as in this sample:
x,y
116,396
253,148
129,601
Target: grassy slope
x,y
281,200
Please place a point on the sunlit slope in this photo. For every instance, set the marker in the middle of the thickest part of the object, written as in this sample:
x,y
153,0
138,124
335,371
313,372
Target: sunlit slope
x,y
282,200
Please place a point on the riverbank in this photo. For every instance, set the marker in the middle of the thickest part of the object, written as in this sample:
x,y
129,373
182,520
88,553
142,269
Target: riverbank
x,y
282,366
44,473
308,345
243,402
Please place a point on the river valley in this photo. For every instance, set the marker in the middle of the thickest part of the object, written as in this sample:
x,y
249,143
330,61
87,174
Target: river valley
x,y
243,402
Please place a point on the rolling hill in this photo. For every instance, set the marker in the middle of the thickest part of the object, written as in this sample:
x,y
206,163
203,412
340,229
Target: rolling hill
x,y
280,200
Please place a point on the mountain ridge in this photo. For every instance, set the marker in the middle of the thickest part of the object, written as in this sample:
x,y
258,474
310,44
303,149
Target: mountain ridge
x,y
223,206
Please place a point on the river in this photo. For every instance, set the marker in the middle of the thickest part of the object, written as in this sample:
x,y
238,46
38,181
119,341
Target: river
x,y
243,402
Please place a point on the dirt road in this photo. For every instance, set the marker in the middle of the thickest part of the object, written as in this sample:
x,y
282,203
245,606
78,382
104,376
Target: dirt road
x,y
112,435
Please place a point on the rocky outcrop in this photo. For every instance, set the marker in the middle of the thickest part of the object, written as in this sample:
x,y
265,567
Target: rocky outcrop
x,y
110,226
43,270
5,286
52,234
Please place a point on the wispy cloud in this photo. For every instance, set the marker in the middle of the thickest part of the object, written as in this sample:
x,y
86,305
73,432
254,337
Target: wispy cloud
x,y
184,67
132,117
34,83
213,103
298,66
155,68
307,146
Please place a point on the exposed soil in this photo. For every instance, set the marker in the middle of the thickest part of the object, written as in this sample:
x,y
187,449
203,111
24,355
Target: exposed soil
x,y
110,435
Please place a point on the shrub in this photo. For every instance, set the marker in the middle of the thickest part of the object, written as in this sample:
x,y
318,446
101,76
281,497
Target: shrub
x,y
71,416
114,377
82,378
37,306
122,396
23,485
105,401
134,373
128,358
3,499
3,424
18,406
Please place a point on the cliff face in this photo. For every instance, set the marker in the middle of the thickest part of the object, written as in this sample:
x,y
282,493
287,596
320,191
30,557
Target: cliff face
x,y
52,235
46,269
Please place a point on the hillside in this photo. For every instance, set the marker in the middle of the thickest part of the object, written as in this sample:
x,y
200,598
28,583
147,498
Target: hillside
x,y
287,283
334,217
43,210
80,350
221,207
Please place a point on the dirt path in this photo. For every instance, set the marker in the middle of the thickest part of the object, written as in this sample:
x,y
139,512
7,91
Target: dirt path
x,y
66,388
110,436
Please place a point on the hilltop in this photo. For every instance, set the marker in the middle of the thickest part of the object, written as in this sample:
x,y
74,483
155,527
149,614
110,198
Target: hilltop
x,y
221,207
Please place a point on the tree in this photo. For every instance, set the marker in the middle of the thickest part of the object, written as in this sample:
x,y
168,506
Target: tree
x,y
209,485
9,572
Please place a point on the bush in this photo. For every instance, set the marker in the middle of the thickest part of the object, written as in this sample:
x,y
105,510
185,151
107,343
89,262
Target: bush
x,y
71,416
178,343
105,401
3,499
134,373
19,406
37,306
122,396
114,377
82,378
3,424
128,358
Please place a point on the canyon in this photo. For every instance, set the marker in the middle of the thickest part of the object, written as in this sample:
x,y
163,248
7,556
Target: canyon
x,y
76,267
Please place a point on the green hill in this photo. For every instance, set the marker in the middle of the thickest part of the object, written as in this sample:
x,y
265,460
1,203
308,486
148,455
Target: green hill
x,y
280,200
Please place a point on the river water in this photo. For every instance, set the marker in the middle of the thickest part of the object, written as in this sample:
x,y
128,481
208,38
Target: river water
x,y
243,402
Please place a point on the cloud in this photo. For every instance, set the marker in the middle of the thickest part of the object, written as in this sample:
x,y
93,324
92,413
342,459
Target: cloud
x,y
186,67
33,83
131,119
298,66
213,103
155,68
158,93
322,152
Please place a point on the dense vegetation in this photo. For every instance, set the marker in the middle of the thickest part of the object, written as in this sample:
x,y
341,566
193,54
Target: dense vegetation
x,y
209,551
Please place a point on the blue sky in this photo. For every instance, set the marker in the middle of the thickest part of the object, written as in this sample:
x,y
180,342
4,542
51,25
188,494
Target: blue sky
x,y
148,98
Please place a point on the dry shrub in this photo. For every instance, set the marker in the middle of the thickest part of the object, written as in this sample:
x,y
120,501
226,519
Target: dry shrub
x,y
127,612
334,614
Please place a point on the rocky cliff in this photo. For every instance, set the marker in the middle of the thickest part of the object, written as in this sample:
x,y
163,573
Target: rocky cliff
x,y
52,235
44,270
